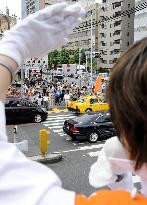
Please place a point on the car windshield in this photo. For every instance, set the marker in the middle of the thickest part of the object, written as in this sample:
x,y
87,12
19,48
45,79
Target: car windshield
x,y
84,119
103,118
81,100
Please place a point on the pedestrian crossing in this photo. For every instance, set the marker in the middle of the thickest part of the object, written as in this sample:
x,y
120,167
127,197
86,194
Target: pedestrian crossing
x,y
55,123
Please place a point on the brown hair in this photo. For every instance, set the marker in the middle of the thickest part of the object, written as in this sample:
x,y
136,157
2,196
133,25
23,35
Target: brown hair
x,y
127,97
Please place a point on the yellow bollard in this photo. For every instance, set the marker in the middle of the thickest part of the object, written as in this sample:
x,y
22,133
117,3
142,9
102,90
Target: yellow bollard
x,y
43,135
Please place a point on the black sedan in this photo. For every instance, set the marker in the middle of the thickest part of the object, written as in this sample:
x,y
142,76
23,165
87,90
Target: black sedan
x,y
90,126
19,109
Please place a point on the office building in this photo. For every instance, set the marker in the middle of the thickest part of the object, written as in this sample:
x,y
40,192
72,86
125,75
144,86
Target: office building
x,y
140,22
116,30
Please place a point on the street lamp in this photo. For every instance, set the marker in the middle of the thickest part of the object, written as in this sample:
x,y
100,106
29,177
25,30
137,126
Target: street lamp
x,y
91,50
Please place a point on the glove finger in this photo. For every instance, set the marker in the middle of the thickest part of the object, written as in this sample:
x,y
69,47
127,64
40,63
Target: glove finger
x,y
51,11
71,23
74,9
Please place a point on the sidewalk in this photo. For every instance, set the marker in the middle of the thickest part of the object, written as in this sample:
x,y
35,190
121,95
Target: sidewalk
x,y
30,132
58,108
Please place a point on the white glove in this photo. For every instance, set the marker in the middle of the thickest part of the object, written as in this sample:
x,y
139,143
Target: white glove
x,y
42,32
104,172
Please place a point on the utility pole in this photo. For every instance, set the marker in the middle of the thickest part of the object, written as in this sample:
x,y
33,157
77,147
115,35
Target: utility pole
x,y
79,54
22,79
91,51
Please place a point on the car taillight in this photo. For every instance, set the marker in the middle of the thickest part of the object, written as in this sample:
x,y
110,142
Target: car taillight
x,y
74,129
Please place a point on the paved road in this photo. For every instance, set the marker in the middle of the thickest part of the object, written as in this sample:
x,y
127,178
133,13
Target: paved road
x,y
77,156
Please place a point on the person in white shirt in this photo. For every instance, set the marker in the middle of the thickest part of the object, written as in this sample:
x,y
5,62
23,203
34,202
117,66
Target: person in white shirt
x,y
66,98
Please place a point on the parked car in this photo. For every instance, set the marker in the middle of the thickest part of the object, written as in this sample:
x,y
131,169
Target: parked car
x,y
91,103
19,109
90,126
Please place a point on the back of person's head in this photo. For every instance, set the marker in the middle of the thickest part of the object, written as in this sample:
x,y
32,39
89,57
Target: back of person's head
x,y
127,97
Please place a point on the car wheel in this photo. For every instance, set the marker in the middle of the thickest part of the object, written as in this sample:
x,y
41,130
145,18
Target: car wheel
x,y
93,137
37,118
88,110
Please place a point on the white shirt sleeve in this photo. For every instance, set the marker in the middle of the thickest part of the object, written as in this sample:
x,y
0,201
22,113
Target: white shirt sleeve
x,y
3,135
23,181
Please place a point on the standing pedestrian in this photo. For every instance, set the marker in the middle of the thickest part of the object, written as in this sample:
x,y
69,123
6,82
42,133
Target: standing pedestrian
x,y
45,101
66,98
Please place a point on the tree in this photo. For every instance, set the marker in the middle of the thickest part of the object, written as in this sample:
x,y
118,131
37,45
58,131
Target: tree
x,y
83,57
65,58
53,58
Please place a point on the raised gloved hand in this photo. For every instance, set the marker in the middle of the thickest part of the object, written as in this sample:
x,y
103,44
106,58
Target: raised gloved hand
x,y
42,32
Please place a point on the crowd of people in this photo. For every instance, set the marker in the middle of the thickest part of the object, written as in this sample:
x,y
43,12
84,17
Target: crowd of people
x,y
50,93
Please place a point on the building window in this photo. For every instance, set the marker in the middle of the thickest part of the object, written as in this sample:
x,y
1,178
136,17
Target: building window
x,y
117,23
111,61
128,43
128,6
116,4
117,32
128,33
117,41
128,24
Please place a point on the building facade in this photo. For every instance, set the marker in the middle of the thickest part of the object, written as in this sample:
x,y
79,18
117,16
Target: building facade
x,y
30,7
81,36
116,30
140,22
7,21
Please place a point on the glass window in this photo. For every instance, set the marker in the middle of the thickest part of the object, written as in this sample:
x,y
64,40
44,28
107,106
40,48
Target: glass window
x,y
103,118
15,104
81,100
27,103
85,118
93,101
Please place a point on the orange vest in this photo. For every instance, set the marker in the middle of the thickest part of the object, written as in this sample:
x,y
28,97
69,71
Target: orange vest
x,y
111,198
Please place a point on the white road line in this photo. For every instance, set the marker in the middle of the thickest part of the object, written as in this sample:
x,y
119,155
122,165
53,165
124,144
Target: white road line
x,y
84,148
94,154
57,130
63,117
62,134
57,120
54,123
52,127
55,127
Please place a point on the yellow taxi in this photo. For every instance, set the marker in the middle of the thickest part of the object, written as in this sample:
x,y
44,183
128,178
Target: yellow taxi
x,y
72,104
91,103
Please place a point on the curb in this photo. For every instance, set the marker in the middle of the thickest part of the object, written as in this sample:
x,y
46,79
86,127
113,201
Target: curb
x,y
49,159
57,111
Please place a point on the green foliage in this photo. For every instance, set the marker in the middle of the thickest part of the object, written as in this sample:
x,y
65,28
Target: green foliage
x,y
53,58
65,56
